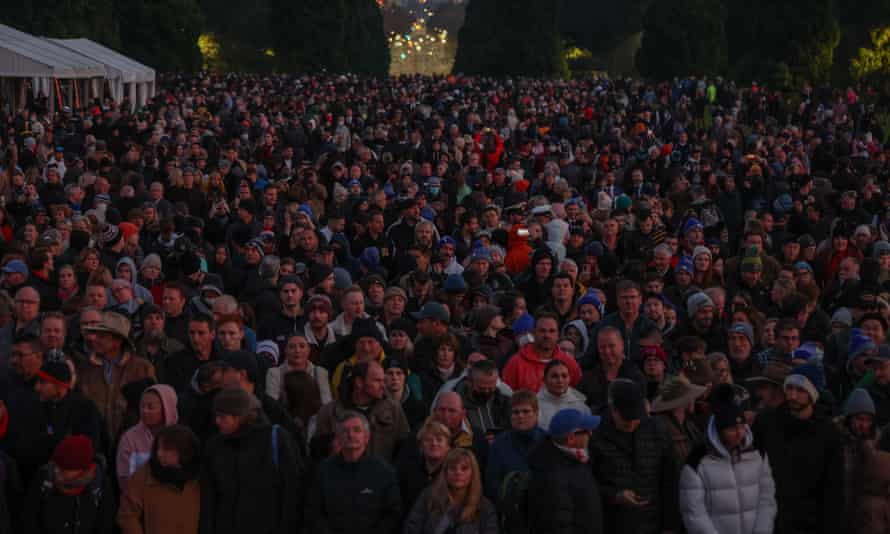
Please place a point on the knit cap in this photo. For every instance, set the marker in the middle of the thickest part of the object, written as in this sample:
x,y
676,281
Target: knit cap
x,y
685,264
232,401
342,278
752,264
696,302
74,453
843,316
808,377
860,344
859,402
524,324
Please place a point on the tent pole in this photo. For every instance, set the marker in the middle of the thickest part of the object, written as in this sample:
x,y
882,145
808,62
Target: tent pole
x,y
58,92
76,94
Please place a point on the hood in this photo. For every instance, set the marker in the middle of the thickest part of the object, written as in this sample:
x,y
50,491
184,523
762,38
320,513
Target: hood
x,y
717,445
527,353
168,401
579,324
128,261
557,229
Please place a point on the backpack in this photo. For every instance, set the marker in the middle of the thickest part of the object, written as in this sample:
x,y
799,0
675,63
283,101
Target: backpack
x,y
513,499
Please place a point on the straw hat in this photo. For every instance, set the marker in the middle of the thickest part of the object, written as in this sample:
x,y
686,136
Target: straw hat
x,y
676,392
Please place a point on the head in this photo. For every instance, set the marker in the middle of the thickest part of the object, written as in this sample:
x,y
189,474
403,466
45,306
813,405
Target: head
x,y
610,347
449,410
353,432
546,333
434,440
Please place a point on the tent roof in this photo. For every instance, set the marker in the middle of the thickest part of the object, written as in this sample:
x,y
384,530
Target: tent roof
x,y
25,56
116,64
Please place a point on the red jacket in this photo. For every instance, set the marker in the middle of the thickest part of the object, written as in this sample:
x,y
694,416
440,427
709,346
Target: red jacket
x,y
525,370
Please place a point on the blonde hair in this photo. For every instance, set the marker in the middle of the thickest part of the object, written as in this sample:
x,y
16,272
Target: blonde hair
x,y
440,500
434,428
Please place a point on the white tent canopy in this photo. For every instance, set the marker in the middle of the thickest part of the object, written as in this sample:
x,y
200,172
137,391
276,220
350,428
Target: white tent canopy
x,y
124,75
26,56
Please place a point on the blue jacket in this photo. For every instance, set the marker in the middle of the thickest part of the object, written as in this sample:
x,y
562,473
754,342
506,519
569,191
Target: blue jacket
x,y
509,453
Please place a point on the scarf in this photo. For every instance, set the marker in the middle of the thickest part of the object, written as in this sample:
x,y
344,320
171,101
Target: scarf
x,y
73,488
578,454
174,476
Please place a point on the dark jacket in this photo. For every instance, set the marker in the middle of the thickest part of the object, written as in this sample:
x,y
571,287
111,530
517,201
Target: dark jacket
x,y
354,498
595,386
509,453
413,476
563,496
47,511
880,394
178,369
806,457
242,488
485,415
642,462
422,521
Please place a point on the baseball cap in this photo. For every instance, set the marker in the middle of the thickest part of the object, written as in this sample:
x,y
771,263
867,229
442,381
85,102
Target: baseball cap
x,y
571,420
16,266
433,310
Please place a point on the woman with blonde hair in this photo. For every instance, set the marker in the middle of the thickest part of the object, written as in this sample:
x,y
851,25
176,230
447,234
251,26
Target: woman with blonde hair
x,y
454,503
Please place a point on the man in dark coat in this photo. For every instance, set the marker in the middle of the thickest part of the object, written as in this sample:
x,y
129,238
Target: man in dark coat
x,y
563,495
805,453
611,364
354,492
633,462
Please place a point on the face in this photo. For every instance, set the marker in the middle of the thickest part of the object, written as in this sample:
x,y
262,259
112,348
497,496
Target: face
x,y
394,380
562,289
459,474
882,372
704,317
153,323
862,425
523,417
787,341
354,304
151,410
230,335
546,335
24,360
52,333
227,424
296,352
653,368
374,383
200,336
445,356
290,295
66,278
733,436
394,305
721,372
543,268
27,305
611,349
434,446
172,302
629,302
367,349
168,457
654,309
449,411
798,399
873,329
557,380
739,346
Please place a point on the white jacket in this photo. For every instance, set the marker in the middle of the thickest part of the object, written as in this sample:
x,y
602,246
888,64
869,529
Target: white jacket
x,y
275,381
549,404
719,496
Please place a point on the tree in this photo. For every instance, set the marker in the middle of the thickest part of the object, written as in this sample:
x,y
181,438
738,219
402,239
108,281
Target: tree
x,y
683,37
511,37
162,33
873,64
93,19
764,35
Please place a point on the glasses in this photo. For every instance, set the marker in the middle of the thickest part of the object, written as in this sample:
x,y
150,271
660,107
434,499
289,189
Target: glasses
x,y
26,301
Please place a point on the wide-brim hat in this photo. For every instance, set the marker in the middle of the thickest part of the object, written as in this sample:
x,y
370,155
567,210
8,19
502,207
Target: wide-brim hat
x,y
774,372
112,323
675,393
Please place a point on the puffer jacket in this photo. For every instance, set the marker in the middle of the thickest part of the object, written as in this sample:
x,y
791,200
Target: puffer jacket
x,y
720,494
642,462
549,404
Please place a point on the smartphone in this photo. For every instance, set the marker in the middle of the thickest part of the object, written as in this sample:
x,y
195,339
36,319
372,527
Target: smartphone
x,y
522,232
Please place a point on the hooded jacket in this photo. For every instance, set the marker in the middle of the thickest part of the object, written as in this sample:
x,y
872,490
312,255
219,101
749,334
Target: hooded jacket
x,y
139,292
134,448
525,370
549,404
579,324
46,511
518,258
720,494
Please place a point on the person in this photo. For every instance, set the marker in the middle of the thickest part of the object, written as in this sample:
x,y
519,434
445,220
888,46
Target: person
x,y
296,358
805,455
354,492
859,435
365,392
563,493
674,408
510,449
395,380
488,410
164,495
454,502
612,364
417,472
178,369
72,490
556,394
727,484
114,365
525,369
246,439
634,463
157,409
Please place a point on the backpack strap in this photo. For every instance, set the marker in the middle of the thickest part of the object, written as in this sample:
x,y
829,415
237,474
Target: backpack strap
x,y
275,444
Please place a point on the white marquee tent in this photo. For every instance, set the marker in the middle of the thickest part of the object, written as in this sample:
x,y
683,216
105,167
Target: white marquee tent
x,y
125,76
24,56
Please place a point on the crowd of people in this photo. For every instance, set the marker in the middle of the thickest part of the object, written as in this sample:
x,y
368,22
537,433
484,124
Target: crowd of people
x,y
332,304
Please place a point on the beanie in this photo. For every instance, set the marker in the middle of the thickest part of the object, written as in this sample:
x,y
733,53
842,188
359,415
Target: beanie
x,y
743,329
843,316
807,377
859,344
752,264
55,372
591,297
232,401
859,402
684,264
317,273
152,260
342,278
726,411
524,324
691,224
74,453
370,258
483,316
455,283
128,229
696,302
700,250
267,346
110,235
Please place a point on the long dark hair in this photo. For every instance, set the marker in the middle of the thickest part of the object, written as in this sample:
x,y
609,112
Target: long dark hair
x,y
302,396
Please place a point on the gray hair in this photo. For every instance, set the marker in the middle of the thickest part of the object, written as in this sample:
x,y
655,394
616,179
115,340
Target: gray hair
x,y
663,248
269,267
349,415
